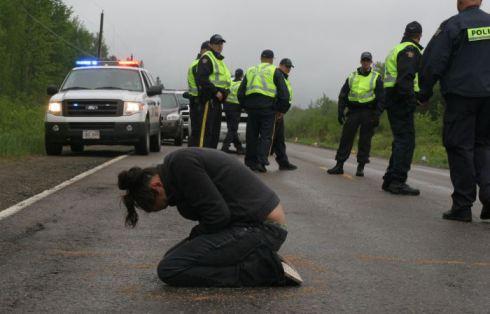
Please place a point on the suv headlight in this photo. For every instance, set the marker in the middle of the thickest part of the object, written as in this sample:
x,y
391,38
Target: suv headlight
x,y
132,108
54,108
173,116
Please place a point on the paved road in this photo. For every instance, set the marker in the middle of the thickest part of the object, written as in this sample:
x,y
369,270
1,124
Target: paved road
x,y
358,249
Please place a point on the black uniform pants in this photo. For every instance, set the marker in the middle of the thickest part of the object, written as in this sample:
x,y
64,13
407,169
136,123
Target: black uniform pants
x,y
260,126
467,141
232,122
238,256
196,115
358,118
279,143
210,125
401,116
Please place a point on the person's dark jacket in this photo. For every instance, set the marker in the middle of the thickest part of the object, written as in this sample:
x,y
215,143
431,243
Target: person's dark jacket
x,y
461,66
207,90
408,67
215,189
377,104
286,109
255,102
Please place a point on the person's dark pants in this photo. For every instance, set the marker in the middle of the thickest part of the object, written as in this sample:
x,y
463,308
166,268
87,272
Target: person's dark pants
x,y
279,143
467,141
196,115
232,113
239,256
260,126
401,116
210,124
357,118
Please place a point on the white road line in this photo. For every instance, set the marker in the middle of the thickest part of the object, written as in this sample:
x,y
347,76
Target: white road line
x,y
20,206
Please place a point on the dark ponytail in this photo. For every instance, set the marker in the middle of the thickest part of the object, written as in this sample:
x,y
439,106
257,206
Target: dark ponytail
x,y
136,183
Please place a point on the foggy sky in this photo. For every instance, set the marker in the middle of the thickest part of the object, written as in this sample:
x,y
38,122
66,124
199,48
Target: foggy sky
x,y
324,38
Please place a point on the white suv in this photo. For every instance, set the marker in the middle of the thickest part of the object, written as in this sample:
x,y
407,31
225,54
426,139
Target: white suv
x,y
104,103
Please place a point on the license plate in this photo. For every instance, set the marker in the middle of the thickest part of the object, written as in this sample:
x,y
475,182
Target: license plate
x,y
91,134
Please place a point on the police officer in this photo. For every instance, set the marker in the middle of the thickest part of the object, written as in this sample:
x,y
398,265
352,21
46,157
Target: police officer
x,y
233,111
279,140
195,108
214,81
401,85
363,95
458,55
262,92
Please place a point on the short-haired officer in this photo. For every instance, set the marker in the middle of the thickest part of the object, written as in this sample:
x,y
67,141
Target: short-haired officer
x,y
214,81
233,112
458,56
401,85
262,93
363,95
195,108
279,139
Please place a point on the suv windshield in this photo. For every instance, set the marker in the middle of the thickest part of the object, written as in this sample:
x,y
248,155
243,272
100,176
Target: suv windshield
x,y
97,78
181,99
169,101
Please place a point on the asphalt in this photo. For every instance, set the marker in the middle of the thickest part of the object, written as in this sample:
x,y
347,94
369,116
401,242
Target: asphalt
x,y
358,248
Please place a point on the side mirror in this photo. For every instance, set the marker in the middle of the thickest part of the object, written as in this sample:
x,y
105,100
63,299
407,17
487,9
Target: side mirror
x,y
52,90
186,95
154,90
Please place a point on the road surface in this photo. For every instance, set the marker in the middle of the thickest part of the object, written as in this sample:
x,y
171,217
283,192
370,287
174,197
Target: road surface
x,y
359,249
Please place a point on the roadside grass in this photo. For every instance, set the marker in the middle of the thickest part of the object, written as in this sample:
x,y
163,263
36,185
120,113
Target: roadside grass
x,y
318,126
21,128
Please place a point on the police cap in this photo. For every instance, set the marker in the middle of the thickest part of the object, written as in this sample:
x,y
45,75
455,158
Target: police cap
x,y
287,63
217,39
238,73
413,28
367,56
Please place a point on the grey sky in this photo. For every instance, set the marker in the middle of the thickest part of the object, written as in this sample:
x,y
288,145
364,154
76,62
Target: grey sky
x,y
324,38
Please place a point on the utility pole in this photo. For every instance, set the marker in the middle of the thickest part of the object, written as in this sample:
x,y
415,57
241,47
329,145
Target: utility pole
x,y
101,31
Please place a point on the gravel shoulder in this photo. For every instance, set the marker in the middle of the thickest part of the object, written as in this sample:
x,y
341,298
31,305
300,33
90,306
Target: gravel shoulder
x,y
24,177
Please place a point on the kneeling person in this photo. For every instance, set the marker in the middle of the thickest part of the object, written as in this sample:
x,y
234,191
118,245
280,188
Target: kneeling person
x,y
241,226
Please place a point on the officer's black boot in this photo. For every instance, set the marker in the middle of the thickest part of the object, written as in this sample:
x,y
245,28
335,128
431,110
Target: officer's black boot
x,y
240,150
289,166
463,215
399,188
226,149
360,170
485,212
338,169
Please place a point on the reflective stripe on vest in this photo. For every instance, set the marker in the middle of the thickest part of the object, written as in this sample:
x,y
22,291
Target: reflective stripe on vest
x,y
391,66
221,76
260,80
233,96
362,87
290,89
191,79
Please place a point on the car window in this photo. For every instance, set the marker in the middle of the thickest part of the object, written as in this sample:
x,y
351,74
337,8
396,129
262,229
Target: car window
x,y
147,85
97,78
169,101
182,101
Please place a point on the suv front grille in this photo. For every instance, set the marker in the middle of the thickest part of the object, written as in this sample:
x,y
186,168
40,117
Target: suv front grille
x,y
93,108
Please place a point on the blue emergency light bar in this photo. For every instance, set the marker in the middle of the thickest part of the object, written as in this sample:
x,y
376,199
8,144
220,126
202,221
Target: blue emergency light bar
x,y
87,63
125,63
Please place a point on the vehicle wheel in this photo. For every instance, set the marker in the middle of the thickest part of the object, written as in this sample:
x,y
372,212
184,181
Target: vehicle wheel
x,y
77,148
156,142
178,140
143,147
53,149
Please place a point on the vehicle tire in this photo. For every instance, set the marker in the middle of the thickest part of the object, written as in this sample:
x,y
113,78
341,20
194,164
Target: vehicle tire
x,y
143,147
156,142
53,149
77,148
179,139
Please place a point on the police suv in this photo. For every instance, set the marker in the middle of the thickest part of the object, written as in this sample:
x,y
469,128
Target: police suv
x,y
104,103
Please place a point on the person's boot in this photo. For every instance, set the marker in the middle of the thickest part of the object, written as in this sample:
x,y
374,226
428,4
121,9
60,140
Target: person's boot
x,y
463,215
386,184
291,275
240,150
485,212
287,167
226,149
261,168
338,169
360,170
399,188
